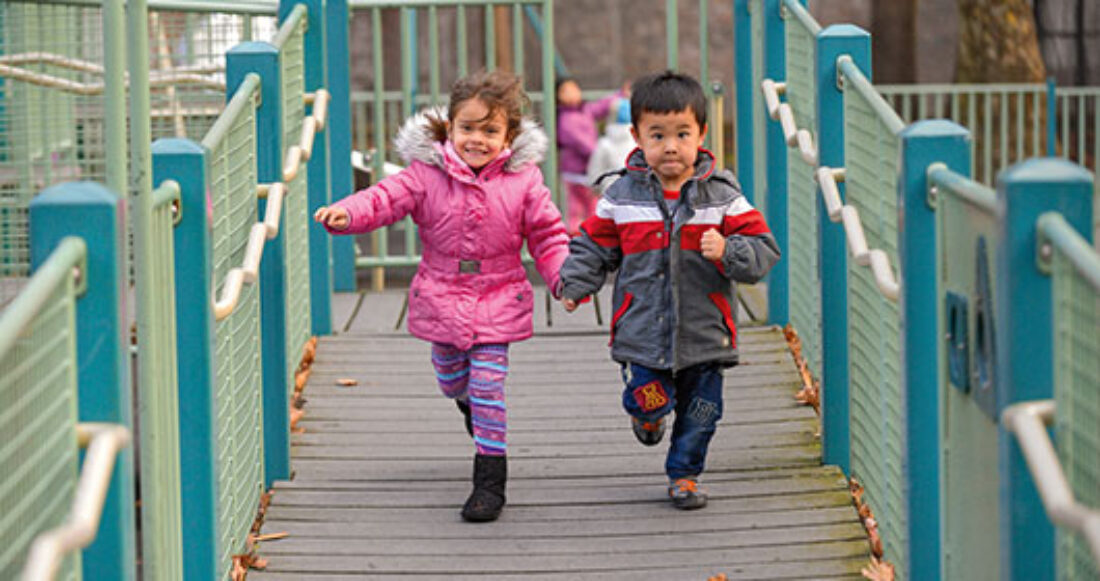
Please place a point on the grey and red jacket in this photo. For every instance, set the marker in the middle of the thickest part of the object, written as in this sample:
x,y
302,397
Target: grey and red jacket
x,y
672,308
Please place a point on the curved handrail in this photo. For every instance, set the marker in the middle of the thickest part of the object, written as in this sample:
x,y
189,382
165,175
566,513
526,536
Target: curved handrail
x,y
802,16
849,73
1053,229
876,259
296,17
1028,422
940,178
301,151
103,442
782,112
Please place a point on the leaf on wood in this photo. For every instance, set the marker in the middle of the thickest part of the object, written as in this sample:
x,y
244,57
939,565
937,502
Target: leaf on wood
x,y
878,570
718,577
272,536
295,415
308,352
346,382
300,379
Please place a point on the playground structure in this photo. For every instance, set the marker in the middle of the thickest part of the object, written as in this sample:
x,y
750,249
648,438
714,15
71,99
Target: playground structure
x,y
897,231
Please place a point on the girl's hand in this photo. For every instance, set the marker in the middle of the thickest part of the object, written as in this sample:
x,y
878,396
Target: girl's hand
x,y
713,245
569,304
333,217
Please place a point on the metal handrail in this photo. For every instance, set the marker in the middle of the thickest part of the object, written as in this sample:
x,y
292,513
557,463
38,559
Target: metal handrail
x,y
876,259
289,26
88,89
67,260
802,139
1053,230
83,66
243,97
103,443
942,179
1028,422
849,74
263,231
802,16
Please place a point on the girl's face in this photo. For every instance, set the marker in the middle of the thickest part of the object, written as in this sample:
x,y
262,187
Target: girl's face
x,y
569,94
477,135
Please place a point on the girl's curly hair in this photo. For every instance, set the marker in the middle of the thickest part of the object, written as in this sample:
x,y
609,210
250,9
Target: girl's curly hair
x,y
499,90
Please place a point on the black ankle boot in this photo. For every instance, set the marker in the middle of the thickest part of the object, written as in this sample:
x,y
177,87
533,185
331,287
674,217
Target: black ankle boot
x,y
464,407
487,499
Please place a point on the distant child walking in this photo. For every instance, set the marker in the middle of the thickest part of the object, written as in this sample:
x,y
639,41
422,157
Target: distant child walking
x,y
679,233
577,135
474,188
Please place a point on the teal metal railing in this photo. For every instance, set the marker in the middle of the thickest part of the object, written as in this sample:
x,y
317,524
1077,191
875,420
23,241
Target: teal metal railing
x,y
920,353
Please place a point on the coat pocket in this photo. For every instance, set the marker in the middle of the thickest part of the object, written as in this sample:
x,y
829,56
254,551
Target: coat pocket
x,y
627,299
723,305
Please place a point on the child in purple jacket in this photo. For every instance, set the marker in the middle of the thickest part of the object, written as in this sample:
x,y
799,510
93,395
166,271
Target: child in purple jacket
x,y
577,136
474,188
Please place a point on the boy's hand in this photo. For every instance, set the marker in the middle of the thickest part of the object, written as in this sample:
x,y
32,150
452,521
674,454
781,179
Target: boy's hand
x,y
569,304
713,245
333,217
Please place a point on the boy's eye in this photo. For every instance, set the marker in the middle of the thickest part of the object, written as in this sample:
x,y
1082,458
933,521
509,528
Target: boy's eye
x,y
683,135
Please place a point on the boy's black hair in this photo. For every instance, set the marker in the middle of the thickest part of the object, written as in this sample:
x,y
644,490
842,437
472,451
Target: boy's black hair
x,y
667,92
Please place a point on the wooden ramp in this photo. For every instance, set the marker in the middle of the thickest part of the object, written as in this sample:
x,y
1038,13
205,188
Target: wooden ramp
x,y
384,466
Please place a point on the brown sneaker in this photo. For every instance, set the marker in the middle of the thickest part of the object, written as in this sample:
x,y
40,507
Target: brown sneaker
x,y
648,433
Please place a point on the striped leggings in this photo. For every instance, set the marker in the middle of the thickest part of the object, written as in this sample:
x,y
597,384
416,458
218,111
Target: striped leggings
x,y
477,377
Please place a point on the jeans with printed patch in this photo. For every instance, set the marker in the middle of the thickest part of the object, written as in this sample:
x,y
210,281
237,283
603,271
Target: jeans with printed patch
x,y
695,393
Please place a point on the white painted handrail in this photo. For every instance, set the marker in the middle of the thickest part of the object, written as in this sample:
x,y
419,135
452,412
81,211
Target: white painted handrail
x,y
88,89
103,441
301,151
1028,421
848,216
784,114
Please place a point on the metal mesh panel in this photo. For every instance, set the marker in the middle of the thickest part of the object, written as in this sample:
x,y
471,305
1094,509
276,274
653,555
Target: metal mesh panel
x,y
296,205
877,403
162,553
38,448
1076,381
968,434
238,397
801,195
46,135
190,42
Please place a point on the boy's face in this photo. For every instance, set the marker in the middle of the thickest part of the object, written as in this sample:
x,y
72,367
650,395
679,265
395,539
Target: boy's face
x,y
670,143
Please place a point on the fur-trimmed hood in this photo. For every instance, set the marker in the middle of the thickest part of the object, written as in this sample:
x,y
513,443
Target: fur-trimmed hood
x,y
414,142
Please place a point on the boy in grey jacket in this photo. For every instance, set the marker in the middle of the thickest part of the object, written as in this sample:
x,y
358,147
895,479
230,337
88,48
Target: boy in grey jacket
x,y
680,234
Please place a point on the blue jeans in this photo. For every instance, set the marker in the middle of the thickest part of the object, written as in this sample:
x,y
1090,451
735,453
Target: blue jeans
x,y
696,395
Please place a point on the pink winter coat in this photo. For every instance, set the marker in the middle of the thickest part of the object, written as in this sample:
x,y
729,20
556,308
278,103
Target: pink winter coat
x,y
471,286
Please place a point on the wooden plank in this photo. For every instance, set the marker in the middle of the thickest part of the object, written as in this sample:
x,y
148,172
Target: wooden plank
x,y
383,466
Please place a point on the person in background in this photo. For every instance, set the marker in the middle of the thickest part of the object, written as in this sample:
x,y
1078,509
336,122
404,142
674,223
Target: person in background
x,y
474,189
577,135
612,149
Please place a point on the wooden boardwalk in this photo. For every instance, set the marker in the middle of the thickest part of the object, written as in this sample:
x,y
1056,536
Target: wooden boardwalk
x,y
384,466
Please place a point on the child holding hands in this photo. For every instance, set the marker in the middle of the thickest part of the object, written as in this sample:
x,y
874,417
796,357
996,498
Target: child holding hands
x,y
474,188
679,233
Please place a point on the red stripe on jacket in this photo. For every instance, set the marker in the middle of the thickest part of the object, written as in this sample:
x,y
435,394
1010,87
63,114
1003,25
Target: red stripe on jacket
x,y
749,223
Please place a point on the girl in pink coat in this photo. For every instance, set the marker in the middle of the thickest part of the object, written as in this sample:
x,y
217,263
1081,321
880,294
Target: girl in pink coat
x,y
474,188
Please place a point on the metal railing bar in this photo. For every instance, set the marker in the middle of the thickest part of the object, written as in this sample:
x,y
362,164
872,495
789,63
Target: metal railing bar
x,y
253,7
88,89
1028,421
848,216
290,25
943,180
69,255
354,4
958,89
166,194
244,97
103,443
851,74
1057,232
48,58
802,16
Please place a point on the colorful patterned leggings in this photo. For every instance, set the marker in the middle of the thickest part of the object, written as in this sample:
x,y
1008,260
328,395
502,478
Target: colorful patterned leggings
x,y
477,376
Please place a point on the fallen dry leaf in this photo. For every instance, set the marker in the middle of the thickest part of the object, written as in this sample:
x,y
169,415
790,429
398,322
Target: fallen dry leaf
x,y
272,536
718,577
346,382
295,415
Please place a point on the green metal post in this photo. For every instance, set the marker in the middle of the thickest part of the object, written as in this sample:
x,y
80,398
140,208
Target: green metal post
x,y
338,132
89,211
490,38
1024,338
549,111
672,35
114,78
1052,117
